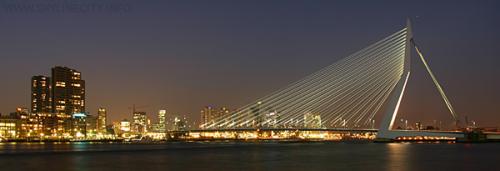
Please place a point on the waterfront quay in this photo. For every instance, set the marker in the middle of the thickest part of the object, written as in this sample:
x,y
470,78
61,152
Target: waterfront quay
x,y
284,134
288,134
274,134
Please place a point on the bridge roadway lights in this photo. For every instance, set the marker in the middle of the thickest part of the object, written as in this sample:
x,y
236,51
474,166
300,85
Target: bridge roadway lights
x,y
392,135
285,134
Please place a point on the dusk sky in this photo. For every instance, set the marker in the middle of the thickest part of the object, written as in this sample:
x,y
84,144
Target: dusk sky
x,y
183,55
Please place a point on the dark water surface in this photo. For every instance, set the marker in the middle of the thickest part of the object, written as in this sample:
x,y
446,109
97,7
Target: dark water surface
x,y
250,156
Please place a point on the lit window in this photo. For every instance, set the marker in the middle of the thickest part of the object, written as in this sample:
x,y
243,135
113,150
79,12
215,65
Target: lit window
x,y
75,85
60,84
60,107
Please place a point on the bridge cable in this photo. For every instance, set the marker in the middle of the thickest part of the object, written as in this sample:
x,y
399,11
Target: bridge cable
x,y
436,83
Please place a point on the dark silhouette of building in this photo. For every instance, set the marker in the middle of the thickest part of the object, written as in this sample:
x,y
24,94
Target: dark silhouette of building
x,y
68,98
41,103
68,91
41,97
55,99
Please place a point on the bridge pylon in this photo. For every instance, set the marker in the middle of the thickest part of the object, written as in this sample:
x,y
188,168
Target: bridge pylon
x,y
386,131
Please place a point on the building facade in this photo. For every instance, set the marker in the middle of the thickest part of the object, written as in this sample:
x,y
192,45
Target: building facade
x,y
78,125
91,126
210,115
68,98
180,124
68,91
125,128
101,120
312,120
140,123
41,96
41,104
31,123
9,128
161,125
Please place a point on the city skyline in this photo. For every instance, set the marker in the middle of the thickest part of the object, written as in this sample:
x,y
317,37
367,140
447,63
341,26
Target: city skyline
x,y
346,95
183,68
249,85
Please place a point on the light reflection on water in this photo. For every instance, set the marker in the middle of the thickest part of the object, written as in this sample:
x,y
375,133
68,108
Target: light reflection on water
x,y
398,156
248,156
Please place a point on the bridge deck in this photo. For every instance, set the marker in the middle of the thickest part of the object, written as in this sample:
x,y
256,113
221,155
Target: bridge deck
x,y
393,134
280,129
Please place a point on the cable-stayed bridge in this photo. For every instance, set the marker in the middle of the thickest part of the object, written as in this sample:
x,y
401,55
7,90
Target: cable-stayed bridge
x,y
345,95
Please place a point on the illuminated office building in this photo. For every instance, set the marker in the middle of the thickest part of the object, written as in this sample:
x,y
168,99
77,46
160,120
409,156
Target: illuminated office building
x,y
41,98
207,116
41,104
101,121
257,113
125,125
68,91
161,125
79,125
91,126
9,128
68,97
312,120
210,115
30,123
140,124
125,129
180,124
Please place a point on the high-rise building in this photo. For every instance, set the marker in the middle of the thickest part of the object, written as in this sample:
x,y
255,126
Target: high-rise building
x,y
312,120
68,91
161,125
123,128
224,111
78,125
68,99
162,114
41,98
41,104
125,125
180,123
257,114
116,126
140,123
271,119
91,126
101,121
210,115
55,100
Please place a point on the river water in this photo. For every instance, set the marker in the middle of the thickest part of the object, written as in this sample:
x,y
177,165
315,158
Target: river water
x,y
250,156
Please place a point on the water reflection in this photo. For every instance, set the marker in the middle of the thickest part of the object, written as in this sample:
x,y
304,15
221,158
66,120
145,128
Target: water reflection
x,y
398,157
248,156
